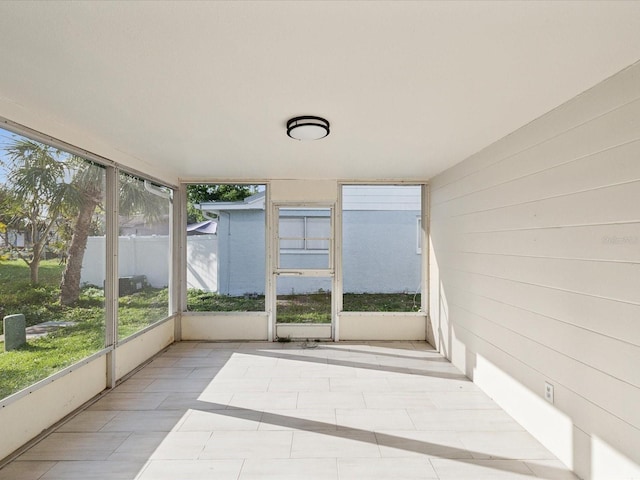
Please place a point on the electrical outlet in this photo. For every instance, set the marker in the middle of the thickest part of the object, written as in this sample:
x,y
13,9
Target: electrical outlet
x,y
548,392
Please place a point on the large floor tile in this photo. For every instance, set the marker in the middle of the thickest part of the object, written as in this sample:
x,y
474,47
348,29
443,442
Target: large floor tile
x,y
26,470
406,443
205,372
134,385
181,446
265,401
238,385
481,470
199,362
216,420
550,470
191,470
290,469
309,384
178,385
163,372
147,421
417,400
462,420
330,400
76,446
117,400
187,401
138,447
385,469
342,443
88,421
93,470
373,419
423,383
299,419
372,385
461,400
238,444
514,445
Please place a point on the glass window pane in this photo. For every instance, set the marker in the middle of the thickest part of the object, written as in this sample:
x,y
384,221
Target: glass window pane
x,y
226,247
318,233
144,251
381,264
291,231
52,258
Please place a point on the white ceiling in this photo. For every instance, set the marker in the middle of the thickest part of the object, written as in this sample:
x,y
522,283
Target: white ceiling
x,y
204,90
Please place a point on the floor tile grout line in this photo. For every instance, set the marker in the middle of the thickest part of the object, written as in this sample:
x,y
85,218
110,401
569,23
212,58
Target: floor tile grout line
x,y
241,468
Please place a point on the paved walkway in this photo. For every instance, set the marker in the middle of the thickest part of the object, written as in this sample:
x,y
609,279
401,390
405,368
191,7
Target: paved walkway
x,y
42,329
247,411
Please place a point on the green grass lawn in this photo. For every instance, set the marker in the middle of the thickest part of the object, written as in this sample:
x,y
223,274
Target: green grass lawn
x,y
304,308
44,356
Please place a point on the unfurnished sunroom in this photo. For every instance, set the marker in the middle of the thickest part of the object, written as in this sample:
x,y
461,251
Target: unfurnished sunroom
x,y
473,197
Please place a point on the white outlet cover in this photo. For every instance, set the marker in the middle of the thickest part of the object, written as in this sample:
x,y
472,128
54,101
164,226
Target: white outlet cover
x,y
548,392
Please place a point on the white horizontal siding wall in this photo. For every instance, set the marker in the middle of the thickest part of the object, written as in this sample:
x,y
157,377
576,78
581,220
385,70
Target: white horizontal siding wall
x,y
535,275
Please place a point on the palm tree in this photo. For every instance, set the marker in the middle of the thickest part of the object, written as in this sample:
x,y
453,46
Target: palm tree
x,y
87,195
88,188
37,187
46,185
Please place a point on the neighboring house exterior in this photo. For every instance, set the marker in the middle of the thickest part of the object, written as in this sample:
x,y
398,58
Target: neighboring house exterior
x,y
381,250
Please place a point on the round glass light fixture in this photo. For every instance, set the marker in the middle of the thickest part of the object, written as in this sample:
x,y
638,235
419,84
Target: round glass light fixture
x,y
307,128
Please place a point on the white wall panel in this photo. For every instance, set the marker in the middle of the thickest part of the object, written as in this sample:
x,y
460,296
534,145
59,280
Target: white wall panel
x,y
614,92
535,275
24,419
554,154
382,326
322,191
603,206
301,331
617,242
132,353
613,280
605,317
551,333
225,326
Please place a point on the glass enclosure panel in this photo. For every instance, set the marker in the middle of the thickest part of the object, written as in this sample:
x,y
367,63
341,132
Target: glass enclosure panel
x,y
381,260
292,233
226,247
303,299
318,233
52,260
144,250
304,238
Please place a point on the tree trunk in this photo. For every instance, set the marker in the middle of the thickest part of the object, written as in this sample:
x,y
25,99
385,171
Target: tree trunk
x,y
34,265
70,284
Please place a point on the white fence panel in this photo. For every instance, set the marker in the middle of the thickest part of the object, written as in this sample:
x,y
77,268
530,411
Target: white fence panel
x,y
149,255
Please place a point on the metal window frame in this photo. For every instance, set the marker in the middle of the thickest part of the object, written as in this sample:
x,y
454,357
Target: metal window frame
x,y
424,232
111,203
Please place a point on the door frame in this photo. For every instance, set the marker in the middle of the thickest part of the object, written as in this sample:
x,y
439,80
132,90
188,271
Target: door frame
x,y
274,270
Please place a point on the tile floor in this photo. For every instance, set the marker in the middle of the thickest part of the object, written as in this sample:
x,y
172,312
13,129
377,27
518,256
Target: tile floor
x,y
243,411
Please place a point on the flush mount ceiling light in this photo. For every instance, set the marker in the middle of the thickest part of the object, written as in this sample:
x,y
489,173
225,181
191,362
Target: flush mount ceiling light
x,y
307,128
